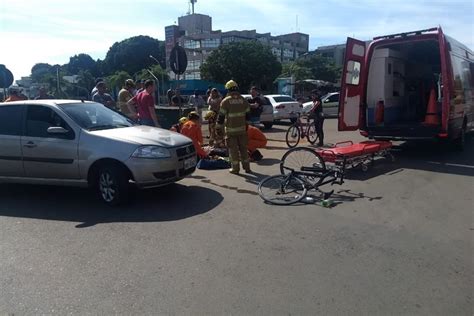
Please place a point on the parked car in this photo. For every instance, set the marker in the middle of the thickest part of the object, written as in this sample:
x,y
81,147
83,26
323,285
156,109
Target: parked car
x,y
65,142
330,105
284,107
266,118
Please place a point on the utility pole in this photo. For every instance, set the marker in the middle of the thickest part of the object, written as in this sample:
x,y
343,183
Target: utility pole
x,y
192,4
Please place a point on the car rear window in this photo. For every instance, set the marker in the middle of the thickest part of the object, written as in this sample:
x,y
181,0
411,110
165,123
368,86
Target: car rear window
x,y
284,99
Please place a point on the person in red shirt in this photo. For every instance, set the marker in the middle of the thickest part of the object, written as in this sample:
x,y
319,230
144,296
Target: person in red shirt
x,y
145,106
192,129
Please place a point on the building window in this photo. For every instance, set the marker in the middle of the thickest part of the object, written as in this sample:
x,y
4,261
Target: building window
x,y
211,43
194,65
191,44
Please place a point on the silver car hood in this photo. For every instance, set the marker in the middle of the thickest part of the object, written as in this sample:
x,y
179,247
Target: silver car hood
x,y
145,135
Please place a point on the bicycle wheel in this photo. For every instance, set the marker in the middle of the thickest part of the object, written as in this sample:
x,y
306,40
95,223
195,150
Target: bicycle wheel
x,y
296,158
293,136
312,135
282,189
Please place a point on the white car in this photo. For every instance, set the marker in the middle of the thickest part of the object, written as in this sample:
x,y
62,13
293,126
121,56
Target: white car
x,y
266,118
330,105
284,107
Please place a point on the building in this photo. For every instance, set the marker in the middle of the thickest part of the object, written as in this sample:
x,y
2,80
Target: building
x,y
194,33
336,52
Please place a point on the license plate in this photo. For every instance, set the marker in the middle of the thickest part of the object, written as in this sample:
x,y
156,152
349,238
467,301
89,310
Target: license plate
x,y
189,163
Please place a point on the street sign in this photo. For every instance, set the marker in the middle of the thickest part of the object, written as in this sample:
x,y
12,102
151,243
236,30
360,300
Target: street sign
x,y
178,60
6,77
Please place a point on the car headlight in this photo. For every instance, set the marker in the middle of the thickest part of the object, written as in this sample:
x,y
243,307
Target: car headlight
x,y
151,152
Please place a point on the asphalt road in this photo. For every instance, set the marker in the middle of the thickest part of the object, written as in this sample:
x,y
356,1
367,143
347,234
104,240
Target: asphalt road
x,y
399,240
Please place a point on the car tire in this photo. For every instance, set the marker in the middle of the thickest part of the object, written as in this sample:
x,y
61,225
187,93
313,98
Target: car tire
x,y
112,185
268,125
460,142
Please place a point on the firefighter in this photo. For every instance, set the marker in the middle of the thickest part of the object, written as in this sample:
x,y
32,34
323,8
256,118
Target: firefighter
x,y
235,112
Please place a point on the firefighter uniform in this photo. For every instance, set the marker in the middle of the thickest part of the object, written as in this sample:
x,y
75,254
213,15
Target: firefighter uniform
x,y
235,112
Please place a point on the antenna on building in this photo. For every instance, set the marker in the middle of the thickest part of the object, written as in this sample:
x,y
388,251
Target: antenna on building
x,y
192,4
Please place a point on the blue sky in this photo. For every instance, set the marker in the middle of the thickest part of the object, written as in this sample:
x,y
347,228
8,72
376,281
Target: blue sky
x,y
53,30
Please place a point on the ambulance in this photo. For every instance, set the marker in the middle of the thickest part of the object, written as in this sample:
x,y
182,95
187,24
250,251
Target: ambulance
x,y
414,85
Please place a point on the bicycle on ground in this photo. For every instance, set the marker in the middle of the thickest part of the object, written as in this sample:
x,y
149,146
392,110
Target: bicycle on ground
x,y
302,170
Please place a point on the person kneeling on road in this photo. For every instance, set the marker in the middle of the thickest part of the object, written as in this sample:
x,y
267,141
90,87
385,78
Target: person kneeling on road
x,y
256,139
192,129
177,127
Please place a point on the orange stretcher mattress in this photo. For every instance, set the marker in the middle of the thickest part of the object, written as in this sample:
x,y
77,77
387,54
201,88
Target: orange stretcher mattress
x,y
350,150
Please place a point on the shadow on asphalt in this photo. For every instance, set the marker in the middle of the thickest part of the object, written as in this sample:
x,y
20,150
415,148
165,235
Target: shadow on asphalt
x,y
169,203
268,162
228,187
340,197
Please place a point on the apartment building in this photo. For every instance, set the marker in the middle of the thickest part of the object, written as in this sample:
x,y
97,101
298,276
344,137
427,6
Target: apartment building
x,y
194,33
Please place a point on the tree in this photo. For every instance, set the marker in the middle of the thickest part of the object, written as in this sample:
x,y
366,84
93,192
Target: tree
x,y
40,70
293,69
116,81
321,68
157,71
133,54
248,63
81,62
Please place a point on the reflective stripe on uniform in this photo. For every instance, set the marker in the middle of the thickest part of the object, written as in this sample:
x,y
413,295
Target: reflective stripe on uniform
x,y
235,129
236,114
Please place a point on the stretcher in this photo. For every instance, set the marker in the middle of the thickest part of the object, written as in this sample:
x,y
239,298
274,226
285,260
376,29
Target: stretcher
x,y
357,155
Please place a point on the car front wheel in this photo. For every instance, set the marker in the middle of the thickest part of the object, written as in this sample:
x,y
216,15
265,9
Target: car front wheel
x,y
112,185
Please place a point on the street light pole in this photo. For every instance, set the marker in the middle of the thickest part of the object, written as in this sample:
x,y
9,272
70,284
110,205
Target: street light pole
x,y
162,78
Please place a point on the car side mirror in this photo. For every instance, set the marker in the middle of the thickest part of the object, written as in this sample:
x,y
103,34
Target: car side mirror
x,y
326,101
57,130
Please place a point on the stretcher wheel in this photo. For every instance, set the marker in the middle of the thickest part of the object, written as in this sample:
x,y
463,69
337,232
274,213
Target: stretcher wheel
x,y
296,158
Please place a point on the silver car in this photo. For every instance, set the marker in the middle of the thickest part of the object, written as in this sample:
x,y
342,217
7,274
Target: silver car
x,y
330,105
64,142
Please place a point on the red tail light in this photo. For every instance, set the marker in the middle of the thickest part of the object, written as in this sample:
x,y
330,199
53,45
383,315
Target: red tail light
x,y
279,107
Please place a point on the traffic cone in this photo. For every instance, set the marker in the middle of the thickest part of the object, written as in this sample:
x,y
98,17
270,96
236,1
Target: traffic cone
x,y
431,117
379,113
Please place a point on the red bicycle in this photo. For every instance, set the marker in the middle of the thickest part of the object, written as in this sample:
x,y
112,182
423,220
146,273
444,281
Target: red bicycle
x,y
300,130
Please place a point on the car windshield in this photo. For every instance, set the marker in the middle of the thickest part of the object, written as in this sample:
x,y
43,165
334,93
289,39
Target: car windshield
x,y
95,116
283,99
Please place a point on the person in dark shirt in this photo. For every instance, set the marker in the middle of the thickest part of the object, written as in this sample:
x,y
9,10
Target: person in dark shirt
x,y
256,106
43,94
317,114
170,94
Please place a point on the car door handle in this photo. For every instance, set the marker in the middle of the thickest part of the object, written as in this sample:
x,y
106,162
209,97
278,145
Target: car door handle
x,y
30,145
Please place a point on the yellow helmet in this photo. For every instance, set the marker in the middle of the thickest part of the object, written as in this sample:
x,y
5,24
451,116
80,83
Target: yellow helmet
x,y
183,120
231,85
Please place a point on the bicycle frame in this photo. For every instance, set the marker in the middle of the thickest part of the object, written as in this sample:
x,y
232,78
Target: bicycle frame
x,y
335,175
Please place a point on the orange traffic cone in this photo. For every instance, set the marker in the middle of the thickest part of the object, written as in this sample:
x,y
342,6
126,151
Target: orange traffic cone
x,y
432,117
379,113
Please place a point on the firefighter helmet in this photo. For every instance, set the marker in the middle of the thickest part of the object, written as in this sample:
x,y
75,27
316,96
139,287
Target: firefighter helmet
x,y
231,85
